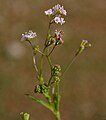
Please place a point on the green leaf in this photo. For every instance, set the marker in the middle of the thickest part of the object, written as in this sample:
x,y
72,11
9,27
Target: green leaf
x,y
49,106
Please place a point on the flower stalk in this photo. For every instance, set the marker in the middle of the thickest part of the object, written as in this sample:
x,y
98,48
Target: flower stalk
x,y
50,88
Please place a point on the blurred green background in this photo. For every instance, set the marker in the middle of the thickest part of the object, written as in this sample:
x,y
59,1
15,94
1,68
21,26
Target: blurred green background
x,y
83,87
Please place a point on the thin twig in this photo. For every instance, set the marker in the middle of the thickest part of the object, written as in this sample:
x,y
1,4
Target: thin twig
x,y
34,48
35,66
50,80
51,50
69,65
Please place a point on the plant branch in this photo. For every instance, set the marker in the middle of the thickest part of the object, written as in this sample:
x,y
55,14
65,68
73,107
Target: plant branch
x,y
69,65
34,62
51,50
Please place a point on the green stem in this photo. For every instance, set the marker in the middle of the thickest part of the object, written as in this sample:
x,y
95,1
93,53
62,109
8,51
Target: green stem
x,y
51,50
49,61
34,62
34,58
41,61
41,66
48,58
58,115
34,48
39,51
48,32
69,65
57,102
49,83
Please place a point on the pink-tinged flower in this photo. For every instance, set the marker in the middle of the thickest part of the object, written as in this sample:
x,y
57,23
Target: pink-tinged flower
x,y
58,37
28,35
63,11
61,40
58,34
49,12
58,8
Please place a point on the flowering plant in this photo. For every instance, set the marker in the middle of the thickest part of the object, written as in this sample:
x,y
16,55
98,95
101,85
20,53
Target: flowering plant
x,y
50,89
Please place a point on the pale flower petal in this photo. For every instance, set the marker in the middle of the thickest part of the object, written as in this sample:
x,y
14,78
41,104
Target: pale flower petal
x,y
28,35
49,12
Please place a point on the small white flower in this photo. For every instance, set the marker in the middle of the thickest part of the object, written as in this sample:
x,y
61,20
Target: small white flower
x,y
28,35
62,21
49,12
57,19
57,33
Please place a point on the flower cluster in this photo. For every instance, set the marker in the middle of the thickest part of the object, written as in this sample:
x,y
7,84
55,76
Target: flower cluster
x,y
56,13
85,44
59,9
58,37
28,35
56,69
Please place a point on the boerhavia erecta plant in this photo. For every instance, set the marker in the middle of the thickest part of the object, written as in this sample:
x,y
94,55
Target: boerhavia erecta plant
x,y
49,89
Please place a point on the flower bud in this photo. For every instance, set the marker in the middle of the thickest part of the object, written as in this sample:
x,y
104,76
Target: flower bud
x,y
58,37
50,41
24,116
56,70
41,88
84,44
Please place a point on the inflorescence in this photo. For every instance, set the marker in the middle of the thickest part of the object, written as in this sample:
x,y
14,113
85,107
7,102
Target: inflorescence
x,y
28,35
55,13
